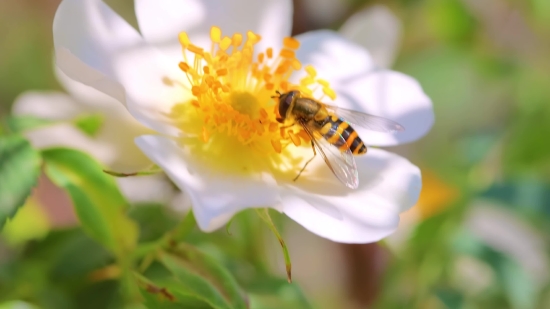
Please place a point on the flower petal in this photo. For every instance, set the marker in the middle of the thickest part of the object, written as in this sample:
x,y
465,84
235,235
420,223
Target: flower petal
x,y
58,106
335,58
388,185
391,95
215,196
160,21
361,87
378,30
112,145
52,105
152,188
98,48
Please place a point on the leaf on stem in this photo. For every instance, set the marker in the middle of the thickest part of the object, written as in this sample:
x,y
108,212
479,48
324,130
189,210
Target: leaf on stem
x,y
264,214
19,171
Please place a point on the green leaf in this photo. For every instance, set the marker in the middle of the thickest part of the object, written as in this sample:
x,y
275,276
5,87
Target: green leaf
x,y
450,298
275,293
18,124
89,124
17,304
98,203
17,231
202,277
19,171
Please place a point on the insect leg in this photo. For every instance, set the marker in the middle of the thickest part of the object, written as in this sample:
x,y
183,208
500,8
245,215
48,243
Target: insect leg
x,y
303,168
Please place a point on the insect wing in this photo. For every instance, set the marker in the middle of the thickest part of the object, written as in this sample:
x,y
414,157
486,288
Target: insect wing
x,y
341,163
366,121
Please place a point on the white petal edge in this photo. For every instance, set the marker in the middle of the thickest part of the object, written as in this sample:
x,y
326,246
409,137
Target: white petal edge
x,y
153,188
335,58
112,145
378,30
391,95
388,185
52,105
160,21
215,197
360,86
59,106
95,46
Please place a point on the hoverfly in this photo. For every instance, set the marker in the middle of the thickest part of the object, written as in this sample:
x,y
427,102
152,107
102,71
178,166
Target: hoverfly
x,y
329,128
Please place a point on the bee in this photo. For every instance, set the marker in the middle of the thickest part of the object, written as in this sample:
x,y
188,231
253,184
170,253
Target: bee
x,y
331,132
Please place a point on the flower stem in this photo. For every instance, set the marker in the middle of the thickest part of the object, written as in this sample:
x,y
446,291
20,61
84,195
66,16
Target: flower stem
x,y
141,173
264,214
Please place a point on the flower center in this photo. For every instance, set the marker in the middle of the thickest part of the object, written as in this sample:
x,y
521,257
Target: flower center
x,y
232,111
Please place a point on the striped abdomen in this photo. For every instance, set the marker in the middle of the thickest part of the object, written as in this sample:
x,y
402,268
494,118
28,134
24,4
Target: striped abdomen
x,y
333,127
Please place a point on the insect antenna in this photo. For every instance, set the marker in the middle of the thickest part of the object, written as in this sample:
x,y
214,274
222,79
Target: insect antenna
x,y
279,94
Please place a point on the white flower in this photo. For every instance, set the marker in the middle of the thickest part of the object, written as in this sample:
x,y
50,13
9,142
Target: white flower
x,y
217,135
113,144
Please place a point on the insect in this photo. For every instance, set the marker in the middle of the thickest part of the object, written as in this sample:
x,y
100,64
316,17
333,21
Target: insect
x,y
331,132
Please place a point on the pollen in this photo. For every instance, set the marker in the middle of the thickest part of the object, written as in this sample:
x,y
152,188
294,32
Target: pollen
x,y
231,87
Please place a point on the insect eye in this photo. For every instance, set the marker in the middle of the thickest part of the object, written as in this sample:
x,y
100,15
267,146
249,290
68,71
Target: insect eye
x,y
284,102
289,98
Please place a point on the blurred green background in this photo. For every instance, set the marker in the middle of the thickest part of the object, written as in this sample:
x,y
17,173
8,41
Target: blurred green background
x,y
479,237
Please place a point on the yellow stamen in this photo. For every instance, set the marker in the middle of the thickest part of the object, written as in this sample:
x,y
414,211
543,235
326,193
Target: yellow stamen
x,y
215,34
231,113
184,39
291,43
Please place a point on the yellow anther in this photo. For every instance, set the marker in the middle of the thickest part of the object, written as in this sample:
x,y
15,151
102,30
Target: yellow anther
x,y
269,86
296,64
276,145
221,72
237,39
225,43
295,139
267,77
287,53
273,126
306,81
209,80
284,85
195,49
291,43
282,132
215,34
184,39
329,92
261,57
311,70
323,82
206,69
196,90
263,113
195,103
253,38
282,68
269,52
184,66
307,92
